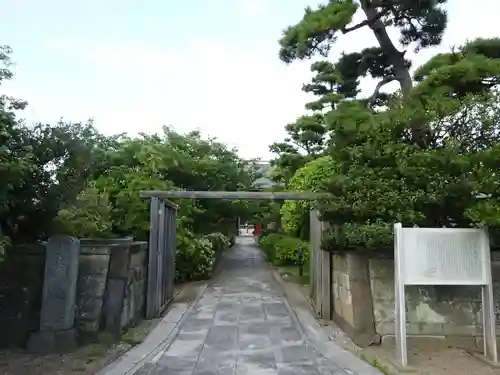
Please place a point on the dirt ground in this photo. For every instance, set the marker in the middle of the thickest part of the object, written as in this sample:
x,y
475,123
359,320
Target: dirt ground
x,y
89,359
86,360
426,357
430,360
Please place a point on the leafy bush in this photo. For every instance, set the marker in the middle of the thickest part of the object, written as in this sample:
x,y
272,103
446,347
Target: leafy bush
x,y
89,216
283,250
287,250
194,259
219,241
349,236
314,176
267,232
267,243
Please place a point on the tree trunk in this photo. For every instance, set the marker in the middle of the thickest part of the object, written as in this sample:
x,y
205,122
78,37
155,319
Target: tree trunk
x,y
420,131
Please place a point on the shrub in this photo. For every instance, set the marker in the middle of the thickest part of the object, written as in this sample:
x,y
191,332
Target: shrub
x,y
194,259
219,241
267,243
287,250
267,232
313,176
283,250
88,216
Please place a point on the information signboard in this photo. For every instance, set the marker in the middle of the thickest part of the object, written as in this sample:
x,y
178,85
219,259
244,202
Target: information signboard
x,y
443,256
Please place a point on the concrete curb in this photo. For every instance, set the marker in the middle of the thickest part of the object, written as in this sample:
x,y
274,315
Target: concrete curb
x,y
156,343
319,341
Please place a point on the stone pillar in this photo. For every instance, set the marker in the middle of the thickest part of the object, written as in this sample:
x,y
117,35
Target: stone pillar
x,y
114,297
362,302
57,318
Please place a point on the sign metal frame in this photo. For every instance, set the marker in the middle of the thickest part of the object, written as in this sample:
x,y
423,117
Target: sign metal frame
x,y
479,275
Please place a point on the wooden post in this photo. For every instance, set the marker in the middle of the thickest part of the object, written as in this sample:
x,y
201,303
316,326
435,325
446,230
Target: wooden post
x,y
160,266
152,262
326,277
315,260
321,269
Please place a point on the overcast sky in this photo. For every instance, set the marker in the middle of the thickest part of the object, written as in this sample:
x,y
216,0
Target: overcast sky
x,y
211,65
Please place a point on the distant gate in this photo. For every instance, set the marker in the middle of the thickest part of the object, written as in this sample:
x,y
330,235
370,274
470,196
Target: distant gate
x,y
161,268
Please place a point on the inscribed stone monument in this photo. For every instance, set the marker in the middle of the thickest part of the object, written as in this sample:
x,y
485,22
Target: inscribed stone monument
x,y
57,317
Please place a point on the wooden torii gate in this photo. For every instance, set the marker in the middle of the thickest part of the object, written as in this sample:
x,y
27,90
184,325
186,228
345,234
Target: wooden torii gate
x,y
320,261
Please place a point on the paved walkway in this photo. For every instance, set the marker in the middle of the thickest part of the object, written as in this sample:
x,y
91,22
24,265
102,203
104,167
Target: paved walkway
x,y
241,325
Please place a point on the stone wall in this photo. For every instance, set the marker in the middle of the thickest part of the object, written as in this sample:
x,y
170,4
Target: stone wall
x,y
92,278
365,283
21,284
341,290
111,285
351,297
110,289
135,289
432,310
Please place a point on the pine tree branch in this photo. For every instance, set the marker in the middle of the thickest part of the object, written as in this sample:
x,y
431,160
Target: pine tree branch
x,y
366,22
379,86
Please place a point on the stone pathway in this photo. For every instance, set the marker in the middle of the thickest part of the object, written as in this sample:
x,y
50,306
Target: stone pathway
x,y
241,325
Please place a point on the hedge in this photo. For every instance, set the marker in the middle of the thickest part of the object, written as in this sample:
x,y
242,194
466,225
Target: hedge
x,y
196,257
314,176
282,250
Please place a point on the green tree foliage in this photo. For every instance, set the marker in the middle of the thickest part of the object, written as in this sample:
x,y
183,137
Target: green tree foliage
x,y
88,217
62,158
384,177
421,24
314,176
41,166
326,85
307,135
14,156
425,154
68,178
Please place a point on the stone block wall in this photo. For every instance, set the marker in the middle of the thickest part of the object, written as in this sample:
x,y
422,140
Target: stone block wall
x,y
21,284
110,289
91,285
111,285
365,282
431,310
341,290
352,300
135,289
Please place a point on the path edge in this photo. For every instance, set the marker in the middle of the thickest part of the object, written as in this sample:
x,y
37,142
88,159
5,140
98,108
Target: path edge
x,y
157,341
316,337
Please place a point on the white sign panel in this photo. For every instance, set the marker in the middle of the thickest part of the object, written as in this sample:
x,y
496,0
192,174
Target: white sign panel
x,y
444,256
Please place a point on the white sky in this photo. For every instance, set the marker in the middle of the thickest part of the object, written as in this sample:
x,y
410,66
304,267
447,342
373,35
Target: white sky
x,y
229,84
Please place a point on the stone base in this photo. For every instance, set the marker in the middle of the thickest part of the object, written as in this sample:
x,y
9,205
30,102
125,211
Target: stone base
x,y
400,368
52,341
481,357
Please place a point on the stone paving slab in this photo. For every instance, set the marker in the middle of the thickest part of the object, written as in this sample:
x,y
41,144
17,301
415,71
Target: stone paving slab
x,y
242,325
133,361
